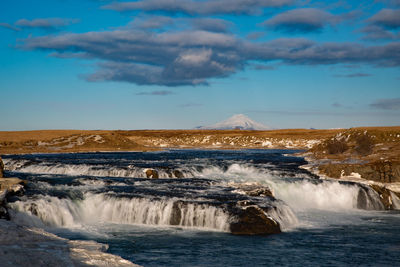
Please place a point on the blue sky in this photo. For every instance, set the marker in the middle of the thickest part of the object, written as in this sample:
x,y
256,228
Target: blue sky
x,y
176,64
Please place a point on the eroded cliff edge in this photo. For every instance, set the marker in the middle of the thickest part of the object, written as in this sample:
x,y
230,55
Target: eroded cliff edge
x,y
371,154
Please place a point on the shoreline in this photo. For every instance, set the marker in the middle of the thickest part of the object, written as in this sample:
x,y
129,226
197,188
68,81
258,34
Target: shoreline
x,y
21,244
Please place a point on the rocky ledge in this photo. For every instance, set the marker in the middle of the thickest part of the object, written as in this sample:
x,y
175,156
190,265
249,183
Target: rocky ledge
x,y
378,171
374,154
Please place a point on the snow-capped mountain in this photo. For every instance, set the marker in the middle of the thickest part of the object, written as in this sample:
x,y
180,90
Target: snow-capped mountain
x,y
238,121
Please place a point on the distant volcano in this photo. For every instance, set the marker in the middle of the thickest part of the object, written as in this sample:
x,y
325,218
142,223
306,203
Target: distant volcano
x,y
238,121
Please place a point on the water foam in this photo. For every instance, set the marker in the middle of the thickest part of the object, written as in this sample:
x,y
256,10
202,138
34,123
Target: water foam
x,y
327,196
24,166
304,194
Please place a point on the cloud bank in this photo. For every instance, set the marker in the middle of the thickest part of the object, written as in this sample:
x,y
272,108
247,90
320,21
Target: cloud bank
x,y
192,7
383,25
192,57
301,20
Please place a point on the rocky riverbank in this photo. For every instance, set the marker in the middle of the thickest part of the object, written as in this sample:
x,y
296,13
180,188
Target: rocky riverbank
x,y
369,156
374,154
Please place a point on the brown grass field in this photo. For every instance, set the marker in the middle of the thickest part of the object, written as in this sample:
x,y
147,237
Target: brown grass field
x,y
51,141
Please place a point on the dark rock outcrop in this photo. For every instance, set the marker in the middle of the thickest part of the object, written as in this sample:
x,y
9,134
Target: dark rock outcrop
x,y
1,168
252,220
178,174
3,201
383,201
380,171
385,196
151,173
366,199
246,217
9,187
254,189
176,215
14,186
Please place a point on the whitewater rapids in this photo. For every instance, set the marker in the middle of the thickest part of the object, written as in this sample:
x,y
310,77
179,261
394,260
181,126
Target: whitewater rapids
x,y
74,190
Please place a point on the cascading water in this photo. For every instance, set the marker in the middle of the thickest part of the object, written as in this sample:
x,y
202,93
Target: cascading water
x,y
96,208
301,193
93,193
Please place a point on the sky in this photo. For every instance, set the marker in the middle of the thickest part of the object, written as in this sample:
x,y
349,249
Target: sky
x,y
178,64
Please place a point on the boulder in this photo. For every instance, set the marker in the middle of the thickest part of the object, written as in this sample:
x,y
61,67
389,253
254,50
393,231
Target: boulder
x,y
151,173
252,220
246,218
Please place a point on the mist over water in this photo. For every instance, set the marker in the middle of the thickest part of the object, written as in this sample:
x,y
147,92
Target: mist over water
x,y
185,221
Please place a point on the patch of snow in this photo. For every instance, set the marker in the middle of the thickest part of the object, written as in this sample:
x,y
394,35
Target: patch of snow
x,y
238,121
267,143
355,175
311,143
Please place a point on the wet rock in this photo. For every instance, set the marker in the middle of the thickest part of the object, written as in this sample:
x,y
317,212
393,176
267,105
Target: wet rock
x,y
14,186
362,199
1,168
4,213
176,215
254,189
384,195
246,217
151,173
245,203
252,220
3,201
34,209
178,174
9,187
366,199
260,192
375,197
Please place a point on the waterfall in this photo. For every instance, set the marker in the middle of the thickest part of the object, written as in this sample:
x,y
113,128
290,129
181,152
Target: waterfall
x,y
95,208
